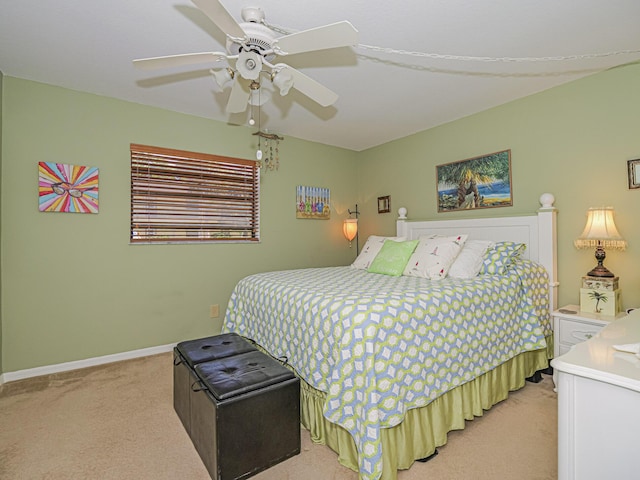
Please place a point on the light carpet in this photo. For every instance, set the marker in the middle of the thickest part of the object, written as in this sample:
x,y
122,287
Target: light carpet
x,y
116,422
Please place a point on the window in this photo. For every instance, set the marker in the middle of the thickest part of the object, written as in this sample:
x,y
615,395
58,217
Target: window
x,y
179,196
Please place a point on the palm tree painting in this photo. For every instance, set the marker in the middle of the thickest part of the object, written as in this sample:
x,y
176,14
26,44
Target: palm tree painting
x,y
598,297
479,182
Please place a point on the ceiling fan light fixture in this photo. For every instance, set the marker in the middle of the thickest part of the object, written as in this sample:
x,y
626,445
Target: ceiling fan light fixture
x,y
223,77
282,79
258,96
249,65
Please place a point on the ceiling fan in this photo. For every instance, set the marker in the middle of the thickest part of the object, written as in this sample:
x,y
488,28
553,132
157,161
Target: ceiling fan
x,y
251,49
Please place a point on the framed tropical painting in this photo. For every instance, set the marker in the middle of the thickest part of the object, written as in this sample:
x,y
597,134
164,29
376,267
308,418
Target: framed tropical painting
x,y
478,182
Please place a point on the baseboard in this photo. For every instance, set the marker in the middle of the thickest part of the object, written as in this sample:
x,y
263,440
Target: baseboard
x,y
89,362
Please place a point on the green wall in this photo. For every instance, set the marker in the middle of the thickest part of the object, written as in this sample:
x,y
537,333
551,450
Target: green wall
x,y
573,141
1,270
73,287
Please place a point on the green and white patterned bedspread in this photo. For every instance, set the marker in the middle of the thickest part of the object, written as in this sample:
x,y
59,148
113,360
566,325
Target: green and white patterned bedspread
x,y
380,345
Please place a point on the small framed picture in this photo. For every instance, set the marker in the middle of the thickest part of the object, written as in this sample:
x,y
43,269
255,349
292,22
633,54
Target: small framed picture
x,y
633,168
384,204
313,203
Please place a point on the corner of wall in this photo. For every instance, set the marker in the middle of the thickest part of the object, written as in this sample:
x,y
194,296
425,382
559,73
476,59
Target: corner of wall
x,y
1,95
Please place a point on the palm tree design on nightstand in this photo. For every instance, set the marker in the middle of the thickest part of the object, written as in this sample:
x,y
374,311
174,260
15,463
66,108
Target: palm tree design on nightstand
x,y
598,297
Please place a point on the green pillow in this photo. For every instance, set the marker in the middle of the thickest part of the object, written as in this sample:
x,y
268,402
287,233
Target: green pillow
x,y
393,257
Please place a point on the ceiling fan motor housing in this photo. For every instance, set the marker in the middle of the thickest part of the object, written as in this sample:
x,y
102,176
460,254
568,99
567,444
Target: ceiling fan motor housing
x,y
260,40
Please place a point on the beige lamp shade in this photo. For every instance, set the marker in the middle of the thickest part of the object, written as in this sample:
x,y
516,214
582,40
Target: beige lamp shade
x,y
601,230
350,228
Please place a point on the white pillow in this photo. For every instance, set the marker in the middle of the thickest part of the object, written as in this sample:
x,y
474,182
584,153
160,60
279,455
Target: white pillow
x,y
371,249
434,255
469,261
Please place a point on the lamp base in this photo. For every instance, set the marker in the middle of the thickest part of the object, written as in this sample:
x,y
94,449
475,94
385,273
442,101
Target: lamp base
x,y
600,271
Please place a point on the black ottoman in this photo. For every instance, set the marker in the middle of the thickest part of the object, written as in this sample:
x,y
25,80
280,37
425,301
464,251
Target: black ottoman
x,y
245,415
189,353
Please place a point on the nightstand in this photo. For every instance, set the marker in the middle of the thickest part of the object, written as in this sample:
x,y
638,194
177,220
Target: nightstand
x,y
572,328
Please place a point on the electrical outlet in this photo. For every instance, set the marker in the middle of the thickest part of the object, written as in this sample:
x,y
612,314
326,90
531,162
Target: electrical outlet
x,y
214,311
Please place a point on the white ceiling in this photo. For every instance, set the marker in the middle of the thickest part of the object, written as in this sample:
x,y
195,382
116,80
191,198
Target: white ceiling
x,y
88,46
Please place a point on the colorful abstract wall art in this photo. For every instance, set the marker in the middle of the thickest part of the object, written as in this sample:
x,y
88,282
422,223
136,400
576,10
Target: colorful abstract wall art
x,y
313,202
67,188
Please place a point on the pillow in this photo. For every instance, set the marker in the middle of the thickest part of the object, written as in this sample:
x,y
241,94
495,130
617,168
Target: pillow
x,y
499,257
434,255
393,257
371,249
469,261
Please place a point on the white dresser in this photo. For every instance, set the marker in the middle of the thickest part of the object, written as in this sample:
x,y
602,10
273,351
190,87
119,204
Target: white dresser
x,y
599,405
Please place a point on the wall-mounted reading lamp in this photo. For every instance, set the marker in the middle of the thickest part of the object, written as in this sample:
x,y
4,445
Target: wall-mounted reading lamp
x,y
350,227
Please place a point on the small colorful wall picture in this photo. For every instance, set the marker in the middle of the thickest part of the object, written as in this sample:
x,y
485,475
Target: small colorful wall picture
x,y
67,188
313,202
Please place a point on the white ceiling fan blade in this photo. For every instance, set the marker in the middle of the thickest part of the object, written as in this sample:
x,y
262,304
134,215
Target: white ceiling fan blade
x,y
239,96
312,89
178,60
341,34
221,17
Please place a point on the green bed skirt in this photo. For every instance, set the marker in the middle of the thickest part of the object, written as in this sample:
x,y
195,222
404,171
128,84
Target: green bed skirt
x,y
424,429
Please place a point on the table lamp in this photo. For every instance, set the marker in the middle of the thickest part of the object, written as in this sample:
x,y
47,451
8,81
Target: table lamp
x,y
600,232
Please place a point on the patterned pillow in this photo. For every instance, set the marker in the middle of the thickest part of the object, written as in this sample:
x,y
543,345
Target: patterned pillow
x,y
469,261
393,257
499,258
434,256
371,249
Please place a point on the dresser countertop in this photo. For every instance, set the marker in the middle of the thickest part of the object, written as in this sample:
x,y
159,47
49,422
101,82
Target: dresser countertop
x,y
597,359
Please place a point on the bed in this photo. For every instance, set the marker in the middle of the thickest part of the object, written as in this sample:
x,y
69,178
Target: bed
x,y
390,364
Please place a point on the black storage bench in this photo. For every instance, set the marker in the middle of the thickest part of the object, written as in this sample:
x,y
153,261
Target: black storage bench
x,y
244,408
191,352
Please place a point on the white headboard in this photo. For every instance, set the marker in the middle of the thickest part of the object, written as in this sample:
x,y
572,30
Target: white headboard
x,y
537,231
